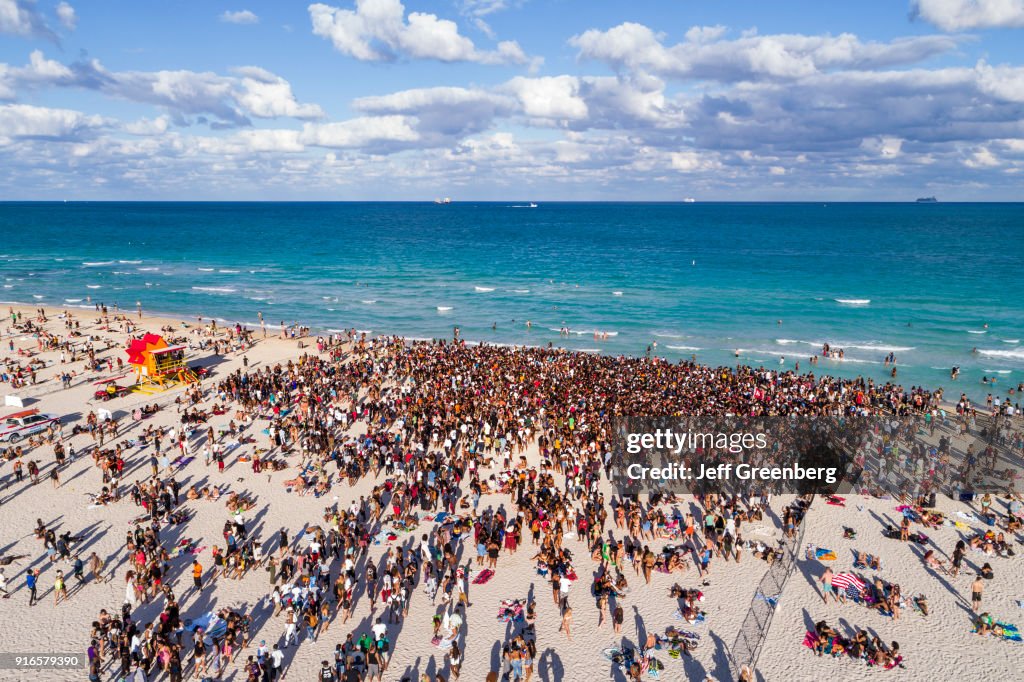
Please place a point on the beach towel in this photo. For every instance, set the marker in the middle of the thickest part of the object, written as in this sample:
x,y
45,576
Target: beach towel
x,y
866,564
810,640
441,517
483,577
182,462
849,583
701,617
823,554
836,501
771,601
1006,631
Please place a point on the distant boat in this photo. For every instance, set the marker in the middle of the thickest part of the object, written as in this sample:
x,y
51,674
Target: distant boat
x,y
689,200
927,200
533,205
446,200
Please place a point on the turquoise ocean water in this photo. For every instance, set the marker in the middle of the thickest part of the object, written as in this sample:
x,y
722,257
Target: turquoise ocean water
x,y
920,281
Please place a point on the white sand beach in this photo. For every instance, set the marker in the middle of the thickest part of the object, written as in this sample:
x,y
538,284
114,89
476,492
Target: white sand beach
x,y
939,646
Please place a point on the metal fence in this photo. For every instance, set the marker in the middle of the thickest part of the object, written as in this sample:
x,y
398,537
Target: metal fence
x,y
747,647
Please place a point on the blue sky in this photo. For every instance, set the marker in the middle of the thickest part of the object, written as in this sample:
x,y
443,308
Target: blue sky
x,y
501,99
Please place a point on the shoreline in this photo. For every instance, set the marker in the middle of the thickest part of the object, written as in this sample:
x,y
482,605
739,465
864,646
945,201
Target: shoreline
x,y
165,319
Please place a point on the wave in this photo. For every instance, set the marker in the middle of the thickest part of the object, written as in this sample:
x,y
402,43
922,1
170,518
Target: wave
x,y
38,296
1011,340
443,308
93,286
977,331
694,348
520,291
72,300
483,289
153,269
584,332
786,342
586,350
852,301
230,272
616,293
997,371
130,262
668,335
216,290
877,346
1015,354
205,269
97,263
369,301
8,286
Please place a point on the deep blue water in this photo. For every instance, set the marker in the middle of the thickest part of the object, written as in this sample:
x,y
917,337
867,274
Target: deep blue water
x,y
698,279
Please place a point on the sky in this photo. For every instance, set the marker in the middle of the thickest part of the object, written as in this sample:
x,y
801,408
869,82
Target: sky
x,y
742,100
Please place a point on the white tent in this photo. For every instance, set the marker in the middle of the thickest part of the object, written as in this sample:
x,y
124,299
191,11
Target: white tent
x,y
13,401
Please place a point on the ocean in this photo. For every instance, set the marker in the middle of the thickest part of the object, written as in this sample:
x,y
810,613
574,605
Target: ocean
x,y
931,283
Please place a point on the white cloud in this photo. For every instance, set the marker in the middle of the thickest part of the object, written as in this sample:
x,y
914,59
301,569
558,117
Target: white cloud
x,y
443,111
147,126
1002,82
360,132
691,161
271,140
636,47
960,15
242,16
885,147
982,158
66,15
23,120
266,95
550,97
21,18
378,30
229,100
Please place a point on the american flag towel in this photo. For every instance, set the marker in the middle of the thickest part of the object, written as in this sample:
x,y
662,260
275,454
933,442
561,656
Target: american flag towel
x,y
849,583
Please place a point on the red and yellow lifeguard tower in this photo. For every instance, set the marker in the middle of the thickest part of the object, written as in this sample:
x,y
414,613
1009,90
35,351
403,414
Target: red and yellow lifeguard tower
x,y
159,364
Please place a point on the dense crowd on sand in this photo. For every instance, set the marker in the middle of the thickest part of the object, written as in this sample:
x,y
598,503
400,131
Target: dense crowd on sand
x,y
433,464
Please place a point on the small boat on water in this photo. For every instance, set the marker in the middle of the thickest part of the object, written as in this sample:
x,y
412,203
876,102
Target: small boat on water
x,y
926,200
446,200
689,200
533,205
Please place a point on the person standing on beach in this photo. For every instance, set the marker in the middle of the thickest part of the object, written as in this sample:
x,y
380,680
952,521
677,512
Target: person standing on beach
x,y
96,567
60,588
31,578
826,586
977,587
197,575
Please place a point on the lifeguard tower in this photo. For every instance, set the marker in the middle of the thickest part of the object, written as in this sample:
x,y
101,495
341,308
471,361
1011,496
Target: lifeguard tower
x,y
157,364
